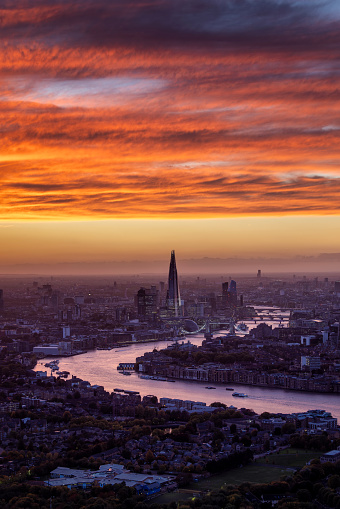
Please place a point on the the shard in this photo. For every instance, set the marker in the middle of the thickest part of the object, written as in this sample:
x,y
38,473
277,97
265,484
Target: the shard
x,y
173,296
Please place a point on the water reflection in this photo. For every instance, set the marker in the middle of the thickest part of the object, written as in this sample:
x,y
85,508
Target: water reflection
x,y
100,367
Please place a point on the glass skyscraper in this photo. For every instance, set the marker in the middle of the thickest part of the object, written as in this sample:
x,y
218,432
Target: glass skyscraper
x,y
173,295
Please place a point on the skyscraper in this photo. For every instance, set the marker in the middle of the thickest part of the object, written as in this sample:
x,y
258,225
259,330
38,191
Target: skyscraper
x,y
225,294
233,293
229,297
147,301
173,296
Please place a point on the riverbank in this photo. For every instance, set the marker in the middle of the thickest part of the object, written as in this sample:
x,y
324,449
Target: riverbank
x,y
335,387
41,356
100,368
130,343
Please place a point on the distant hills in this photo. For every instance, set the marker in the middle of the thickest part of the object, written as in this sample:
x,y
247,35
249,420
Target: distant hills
x,y
322,263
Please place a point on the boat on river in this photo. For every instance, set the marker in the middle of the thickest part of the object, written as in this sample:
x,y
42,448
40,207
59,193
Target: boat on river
x,y
239,395
209,387
53,365
229,389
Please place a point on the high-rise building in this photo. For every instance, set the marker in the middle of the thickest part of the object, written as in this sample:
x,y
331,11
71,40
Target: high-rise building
x,y
232,295
173,299
225,294
1,300
225,288
337,288
147,302
232,287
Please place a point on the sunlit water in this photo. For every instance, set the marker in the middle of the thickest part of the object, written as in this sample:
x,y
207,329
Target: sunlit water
x,y
100,367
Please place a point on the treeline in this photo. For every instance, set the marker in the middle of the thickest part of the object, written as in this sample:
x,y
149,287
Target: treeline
x,y
25,496
231,461
313,442
313,486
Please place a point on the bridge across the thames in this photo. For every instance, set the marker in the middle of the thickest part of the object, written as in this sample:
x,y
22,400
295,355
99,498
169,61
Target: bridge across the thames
x,y
272,309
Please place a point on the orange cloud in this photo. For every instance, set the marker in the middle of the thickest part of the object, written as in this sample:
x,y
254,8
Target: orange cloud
x,y
156,110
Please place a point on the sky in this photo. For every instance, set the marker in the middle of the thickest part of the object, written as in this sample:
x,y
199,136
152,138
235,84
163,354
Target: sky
x,y
130,128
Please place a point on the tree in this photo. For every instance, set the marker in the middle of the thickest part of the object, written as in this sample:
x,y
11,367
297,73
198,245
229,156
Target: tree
x,y
288,428
149,457
233,428
183,479
304,496
126,454
67,416
334,481
217,404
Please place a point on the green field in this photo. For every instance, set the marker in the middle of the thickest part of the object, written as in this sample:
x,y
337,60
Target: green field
x,y
167,498
290,458
264,470
251,473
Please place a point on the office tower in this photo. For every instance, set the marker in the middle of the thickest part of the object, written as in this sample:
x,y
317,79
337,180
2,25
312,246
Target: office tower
x,y
232,295
337,287
147,301
54,300
259,273
1,300
225,288
173,296
120,313
232,287
225,294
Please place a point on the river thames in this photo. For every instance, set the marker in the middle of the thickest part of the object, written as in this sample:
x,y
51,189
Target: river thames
x,y
100,367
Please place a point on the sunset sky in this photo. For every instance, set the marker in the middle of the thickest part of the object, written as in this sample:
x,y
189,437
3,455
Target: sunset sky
x,y
133,127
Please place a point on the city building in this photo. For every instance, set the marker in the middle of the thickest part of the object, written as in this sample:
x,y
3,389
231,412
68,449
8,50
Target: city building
x,y
310,362
173,299
231,300
337,288
225,294
147,302
331,456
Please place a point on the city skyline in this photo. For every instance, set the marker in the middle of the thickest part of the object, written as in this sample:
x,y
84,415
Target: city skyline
x,y
211,128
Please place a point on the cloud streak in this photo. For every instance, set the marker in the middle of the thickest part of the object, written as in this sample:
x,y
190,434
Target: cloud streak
x,y
178,193
169,108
